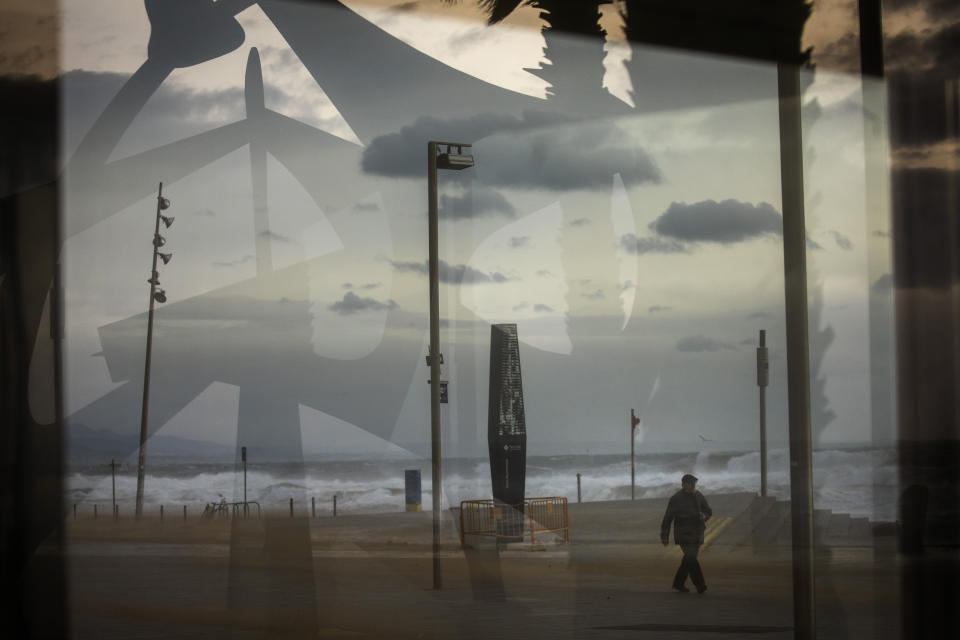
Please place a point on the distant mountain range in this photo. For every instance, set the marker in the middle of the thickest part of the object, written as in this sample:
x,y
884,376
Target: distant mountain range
x,y
94,446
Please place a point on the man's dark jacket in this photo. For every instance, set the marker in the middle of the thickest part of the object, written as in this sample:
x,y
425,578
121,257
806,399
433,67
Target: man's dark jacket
x,y
685,508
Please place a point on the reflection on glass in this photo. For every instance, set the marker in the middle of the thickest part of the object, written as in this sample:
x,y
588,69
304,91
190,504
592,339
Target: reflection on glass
x,y
626,222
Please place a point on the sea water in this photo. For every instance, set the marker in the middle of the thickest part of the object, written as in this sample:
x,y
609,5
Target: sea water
x,y
860,482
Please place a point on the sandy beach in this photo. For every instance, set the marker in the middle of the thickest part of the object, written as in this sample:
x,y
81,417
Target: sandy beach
x,y
370,576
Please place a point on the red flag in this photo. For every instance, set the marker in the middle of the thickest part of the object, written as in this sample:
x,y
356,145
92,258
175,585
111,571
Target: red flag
x,y
634,420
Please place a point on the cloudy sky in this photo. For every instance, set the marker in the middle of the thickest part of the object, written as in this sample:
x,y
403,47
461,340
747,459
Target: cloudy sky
x,y
633,234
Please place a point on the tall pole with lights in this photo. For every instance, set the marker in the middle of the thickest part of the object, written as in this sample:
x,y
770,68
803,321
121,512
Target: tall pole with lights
x,y
451,157
763,379
156,295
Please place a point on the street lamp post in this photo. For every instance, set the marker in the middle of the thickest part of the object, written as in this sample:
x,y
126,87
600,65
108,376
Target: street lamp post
x,y
634,421
763,379
448,159
113,486
156,295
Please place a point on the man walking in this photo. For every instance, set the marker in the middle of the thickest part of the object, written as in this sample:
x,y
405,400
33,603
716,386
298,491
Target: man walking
x,y
688,512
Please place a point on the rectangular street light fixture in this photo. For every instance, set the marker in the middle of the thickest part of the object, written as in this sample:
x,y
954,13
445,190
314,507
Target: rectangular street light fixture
x,y
454,161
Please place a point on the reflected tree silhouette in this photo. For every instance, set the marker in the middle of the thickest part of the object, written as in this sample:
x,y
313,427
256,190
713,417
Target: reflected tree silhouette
x,y
570,69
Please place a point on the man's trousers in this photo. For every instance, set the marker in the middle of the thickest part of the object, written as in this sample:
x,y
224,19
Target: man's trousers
x,y
689,566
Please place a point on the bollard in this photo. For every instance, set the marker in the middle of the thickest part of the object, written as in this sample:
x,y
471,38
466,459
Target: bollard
x,y
74,510
579,496
313,506
291,507
334,505
161,512
184,512
94,512
116,512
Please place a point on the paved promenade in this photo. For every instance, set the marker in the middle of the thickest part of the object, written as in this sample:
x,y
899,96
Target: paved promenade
x,y
371,577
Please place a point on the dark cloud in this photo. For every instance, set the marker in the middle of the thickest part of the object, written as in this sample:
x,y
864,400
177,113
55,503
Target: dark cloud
x,y
913,51
401,154
28,46
473,204
813,244
942,8
724,222
626,286
842,241
657,308
883,284
933,8
594,295
702,343
521,306
576,155
276,237
542,308
748,342
580,222
905,48
247,258
632,244
519,241
352,303
451,274
839,55
367,286
544,273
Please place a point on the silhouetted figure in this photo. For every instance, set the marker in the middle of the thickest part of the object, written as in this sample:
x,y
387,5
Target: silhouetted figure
x,y
689,510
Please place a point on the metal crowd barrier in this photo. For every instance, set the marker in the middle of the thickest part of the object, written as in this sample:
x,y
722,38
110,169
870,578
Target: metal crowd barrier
x,y
539,516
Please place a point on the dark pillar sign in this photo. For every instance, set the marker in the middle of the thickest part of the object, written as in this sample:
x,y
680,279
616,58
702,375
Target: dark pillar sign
x,y
507,431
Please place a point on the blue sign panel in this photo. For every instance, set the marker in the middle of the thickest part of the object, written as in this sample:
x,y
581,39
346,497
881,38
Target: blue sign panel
x,y
411,478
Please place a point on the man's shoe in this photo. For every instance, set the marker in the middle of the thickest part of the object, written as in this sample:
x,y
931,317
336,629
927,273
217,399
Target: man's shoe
x,y
701,588
681,588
